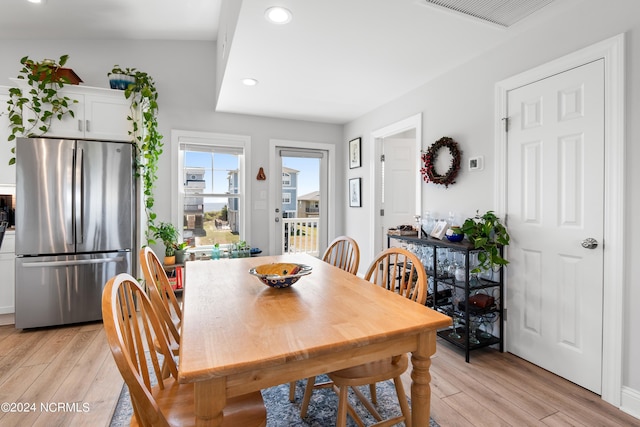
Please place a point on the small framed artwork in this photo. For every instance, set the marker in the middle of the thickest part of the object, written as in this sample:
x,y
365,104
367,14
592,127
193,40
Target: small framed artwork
x,y
355,155
440,230
355,186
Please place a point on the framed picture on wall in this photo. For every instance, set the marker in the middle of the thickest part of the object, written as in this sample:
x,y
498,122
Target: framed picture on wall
x,y
355,186
355,155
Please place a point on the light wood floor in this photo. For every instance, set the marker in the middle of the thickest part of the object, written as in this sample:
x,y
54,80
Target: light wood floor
x,y
51,366
73,364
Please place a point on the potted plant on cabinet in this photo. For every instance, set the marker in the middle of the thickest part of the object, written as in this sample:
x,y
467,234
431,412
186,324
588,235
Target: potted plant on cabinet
x,y
487,233
121,78
32,109
168,233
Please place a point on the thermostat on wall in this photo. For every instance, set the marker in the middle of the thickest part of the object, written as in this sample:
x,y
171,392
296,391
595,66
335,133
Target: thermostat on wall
x,y
476,163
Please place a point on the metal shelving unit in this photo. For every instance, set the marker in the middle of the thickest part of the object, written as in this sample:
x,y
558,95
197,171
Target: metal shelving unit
x,y
475,326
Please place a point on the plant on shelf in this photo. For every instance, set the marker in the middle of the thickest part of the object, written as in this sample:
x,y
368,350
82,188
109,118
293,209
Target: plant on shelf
x,y
32,110
168,233
180,251
141,90
487,233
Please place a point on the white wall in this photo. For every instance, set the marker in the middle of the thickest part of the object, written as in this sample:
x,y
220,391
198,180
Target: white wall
x,y
460,104
184,73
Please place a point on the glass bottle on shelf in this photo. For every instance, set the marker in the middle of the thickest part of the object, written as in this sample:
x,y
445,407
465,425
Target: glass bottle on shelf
x,y
427,221
460,273
451,220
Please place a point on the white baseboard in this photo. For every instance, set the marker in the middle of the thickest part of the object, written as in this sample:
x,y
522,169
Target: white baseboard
x,y
7,319
630,402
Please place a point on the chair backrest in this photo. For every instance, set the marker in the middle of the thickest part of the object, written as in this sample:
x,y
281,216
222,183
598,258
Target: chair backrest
x,y
131,336
400,271
344,253
161,293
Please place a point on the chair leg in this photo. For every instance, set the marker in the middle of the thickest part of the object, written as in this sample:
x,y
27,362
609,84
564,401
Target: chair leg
x,y
367,403
165,370
292,391
308,390
372,392
402,399
342,406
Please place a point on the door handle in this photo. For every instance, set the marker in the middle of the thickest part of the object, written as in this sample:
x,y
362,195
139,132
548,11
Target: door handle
x,y
277,219
589,243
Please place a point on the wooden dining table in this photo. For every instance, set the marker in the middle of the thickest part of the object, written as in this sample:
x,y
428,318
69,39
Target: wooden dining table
x,y
239,335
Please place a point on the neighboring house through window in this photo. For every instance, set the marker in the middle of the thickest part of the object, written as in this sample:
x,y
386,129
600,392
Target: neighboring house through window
x,y
289,192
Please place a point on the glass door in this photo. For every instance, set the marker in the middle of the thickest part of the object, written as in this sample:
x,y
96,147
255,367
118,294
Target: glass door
x,y
301,204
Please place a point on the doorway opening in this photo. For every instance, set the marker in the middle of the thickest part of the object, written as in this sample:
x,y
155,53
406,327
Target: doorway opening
x,y
390,176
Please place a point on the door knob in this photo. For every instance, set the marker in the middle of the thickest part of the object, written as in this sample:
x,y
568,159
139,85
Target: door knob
x,y
277,219
589,243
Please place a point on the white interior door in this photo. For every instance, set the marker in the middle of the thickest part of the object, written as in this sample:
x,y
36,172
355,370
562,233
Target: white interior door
x,y
398,183
555,200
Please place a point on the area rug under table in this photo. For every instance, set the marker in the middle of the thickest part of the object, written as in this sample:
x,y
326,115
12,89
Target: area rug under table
x,y
282,413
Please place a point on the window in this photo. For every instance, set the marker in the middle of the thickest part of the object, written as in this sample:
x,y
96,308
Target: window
x,y
211,175
286,179
286,198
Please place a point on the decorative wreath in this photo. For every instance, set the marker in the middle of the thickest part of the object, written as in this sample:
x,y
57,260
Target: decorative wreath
x,y
429,158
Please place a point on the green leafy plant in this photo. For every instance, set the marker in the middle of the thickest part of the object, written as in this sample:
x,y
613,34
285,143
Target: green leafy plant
x,y
168,233
148,140
31,111
181,246
487,233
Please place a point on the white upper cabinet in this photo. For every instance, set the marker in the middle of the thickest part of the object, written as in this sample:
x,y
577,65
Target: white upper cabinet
x,y
99,114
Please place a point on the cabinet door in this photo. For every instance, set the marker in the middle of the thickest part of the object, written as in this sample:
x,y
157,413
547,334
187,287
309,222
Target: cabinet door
x,y
7,173
106,117
7,270
69,127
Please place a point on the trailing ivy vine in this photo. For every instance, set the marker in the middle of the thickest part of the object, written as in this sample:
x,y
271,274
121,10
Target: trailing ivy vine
x,y
31,111
148,140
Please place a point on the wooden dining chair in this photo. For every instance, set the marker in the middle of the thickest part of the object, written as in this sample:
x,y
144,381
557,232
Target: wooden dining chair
x,y
399,271
131,334
343,252
163,299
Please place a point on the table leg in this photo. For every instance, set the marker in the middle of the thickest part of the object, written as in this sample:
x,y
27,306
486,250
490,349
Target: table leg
x,y
420,376
210,400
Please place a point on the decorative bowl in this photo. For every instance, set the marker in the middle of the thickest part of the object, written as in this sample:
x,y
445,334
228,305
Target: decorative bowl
x,y
280,274
454,234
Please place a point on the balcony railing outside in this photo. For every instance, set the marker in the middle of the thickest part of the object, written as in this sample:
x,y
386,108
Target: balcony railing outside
x,y
300,235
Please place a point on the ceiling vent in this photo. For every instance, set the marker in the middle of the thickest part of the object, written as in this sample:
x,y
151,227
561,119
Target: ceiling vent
x,y
501,12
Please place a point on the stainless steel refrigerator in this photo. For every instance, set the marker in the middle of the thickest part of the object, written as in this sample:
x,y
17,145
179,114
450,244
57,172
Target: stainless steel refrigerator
x,y
74,227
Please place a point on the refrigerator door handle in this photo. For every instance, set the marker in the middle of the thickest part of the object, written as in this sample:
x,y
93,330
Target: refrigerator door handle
x,y
79,197
70,237
70,263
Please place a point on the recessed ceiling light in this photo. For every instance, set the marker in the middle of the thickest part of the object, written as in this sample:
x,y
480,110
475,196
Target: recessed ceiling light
x,y
36,1
278,15
249,82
